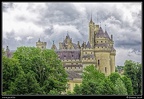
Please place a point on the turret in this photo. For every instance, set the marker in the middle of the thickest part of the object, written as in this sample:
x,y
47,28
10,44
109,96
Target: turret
x,y
7,51
53,46
40,44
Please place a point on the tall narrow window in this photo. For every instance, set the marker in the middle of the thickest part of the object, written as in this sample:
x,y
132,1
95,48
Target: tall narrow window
x,y
98,62
105,70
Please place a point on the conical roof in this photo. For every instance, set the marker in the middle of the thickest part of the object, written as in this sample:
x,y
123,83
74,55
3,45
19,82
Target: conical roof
x,y
88,45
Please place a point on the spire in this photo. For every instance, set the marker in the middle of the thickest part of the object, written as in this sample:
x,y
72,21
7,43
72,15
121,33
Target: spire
x,y
91,17
53,46
39,40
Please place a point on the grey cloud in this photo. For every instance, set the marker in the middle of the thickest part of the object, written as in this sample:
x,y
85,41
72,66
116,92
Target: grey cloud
x,y
130,43
67,14
6,6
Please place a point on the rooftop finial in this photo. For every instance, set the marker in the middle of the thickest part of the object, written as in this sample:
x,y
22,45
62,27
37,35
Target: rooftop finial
x,y
100,24
53,41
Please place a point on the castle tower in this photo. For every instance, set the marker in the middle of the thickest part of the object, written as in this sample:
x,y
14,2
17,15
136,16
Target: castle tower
x,y
91,32
41,45
104,52
53,46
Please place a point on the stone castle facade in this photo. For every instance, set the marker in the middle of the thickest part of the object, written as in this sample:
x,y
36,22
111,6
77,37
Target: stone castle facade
x,y
99,51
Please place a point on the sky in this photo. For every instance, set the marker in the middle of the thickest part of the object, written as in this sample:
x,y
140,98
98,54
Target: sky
x,y
23,23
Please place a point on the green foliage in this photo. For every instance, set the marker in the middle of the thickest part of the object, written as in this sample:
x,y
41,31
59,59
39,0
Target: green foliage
x,y
70,93
133,71
11,69
3,52
120,87
128,84
108,87
42,72
77,89
114,76
91,83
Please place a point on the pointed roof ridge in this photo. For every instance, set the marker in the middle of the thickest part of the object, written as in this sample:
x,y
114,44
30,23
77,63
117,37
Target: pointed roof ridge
x,y
100,30
88,45
107,34
68,35
100,33
53,46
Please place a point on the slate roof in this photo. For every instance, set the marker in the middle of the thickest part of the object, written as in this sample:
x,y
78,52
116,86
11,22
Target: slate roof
x,y
72,75
66,55
102,45
88,45
88,56
76,65
53,46
107,36
102,34
113,49
75,45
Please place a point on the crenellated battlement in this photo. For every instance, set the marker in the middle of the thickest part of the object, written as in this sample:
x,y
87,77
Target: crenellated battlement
x,y
72,60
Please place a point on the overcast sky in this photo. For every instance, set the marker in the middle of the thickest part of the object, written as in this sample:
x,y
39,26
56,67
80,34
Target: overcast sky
x,y
24,23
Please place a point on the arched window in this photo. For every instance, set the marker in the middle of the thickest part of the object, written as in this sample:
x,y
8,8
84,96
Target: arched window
x,y
98,62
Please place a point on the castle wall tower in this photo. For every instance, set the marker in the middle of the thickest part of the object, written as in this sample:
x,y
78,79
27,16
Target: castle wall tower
x,y
91,32
112,62
104,52
41,45
112,56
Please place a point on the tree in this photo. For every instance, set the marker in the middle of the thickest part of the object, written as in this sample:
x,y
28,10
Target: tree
x,y
114,76
11,69
92,81
77,89
108,87
128,84
133,70
43,72
120,87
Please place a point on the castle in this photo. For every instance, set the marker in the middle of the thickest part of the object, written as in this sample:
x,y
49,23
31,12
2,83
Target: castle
x,y
99,51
